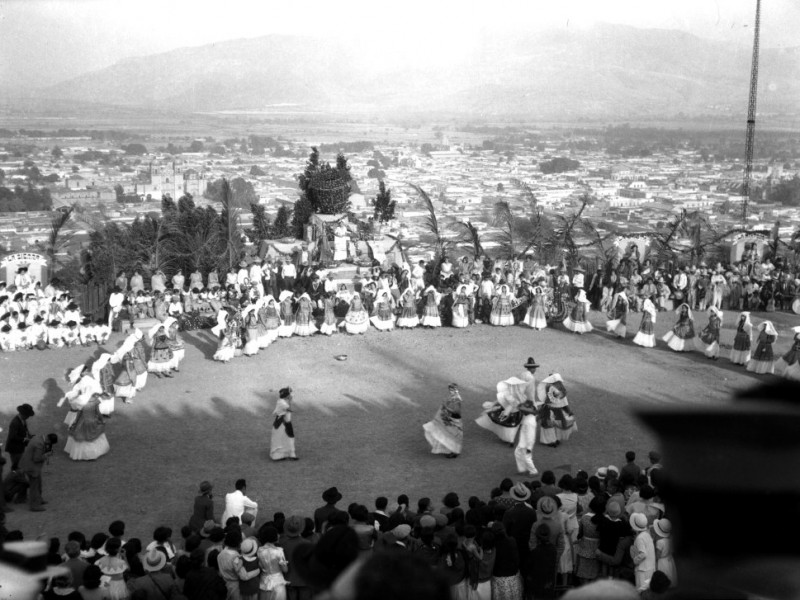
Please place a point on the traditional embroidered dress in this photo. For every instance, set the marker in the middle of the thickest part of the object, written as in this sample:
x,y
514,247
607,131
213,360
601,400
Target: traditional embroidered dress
x,y
113,581
125,383
740,353
618,325
681,338
502,417
645,337
430,314
86,439
273,319
788,365
408,318
252,343
502,306
282,443
461,308
357,320
576,322
383,312
84,388
304,317
445,433
139,361
710,335
328,326
175,342
161,359
288,324
763,360
536,317
556,419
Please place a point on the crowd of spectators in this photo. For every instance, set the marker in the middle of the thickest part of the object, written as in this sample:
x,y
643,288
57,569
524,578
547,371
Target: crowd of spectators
x,y
526,539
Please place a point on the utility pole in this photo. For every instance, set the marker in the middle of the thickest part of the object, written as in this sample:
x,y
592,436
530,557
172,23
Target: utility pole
x,y
751,117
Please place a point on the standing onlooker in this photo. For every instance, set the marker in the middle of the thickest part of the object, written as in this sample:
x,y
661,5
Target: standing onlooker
x,y
36,454
273,565
249,570
229,562
506,580
643,552
76,565
236,502
113,568
156,583
331,496
297,589
202,582
91,588
541,566
18,434
630,469
203,510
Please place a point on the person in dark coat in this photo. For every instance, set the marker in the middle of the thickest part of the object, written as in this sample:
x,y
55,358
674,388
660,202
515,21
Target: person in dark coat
x,y
203,508
519,519
36,453
203,583
331,496
18,434
540,566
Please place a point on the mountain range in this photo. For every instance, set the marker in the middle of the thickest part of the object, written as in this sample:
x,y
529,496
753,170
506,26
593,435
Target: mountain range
x,y
608,71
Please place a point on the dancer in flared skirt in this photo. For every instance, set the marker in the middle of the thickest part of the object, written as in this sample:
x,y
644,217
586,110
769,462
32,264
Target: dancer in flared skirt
x,y
328,326
445,433
408,318
139,360
742,342
710,335
681,337
645,336
460,308
618,325
430,314
272,321
87,439
763,360
383,312
175,342
288,324
282,438
556,419
502,306
125,383
357,320
576,322
536,318
161,360
788,365
304,317
252,343
502,417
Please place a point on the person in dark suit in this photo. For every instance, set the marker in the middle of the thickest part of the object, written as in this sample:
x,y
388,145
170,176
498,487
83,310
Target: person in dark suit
x,y
203,508
519,519
36,454
18,434
331,496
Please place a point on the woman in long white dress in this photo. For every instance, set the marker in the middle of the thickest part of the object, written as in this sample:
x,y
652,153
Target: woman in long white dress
x,y
304,317
645,337
536,318
288,324
577,321
556,419
460,307
282,439
84,386
357,320
430,314
383,312
742,341
619,310
445,433
250,318
502,306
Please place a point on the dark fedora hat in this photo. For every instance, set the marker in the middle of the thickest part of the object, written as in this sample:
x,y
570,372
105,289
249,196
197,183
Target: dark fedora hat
x,y
331,495
531,364
25,410
320,564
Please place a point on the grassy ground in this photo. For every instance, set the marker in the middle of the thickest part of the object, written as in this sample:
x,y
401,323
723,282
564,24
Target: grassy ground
x,y
358,422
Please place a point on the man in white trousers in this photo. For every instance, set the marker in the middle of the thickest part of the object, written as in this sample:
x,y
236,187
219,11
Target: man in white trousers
x,y
527,430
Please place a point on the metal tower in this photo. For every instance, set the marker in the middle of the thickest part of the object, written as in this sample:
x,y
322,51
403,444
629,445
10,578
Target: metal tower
x,y
751,117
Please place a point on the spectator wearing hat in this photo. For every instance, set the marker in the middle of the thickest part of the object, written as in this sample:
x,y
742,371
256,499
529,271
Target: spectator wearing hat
x,y
249,571
665,563
157,583
547,513
296,589
36,453
540,566
331,496
643,551
237,503
18,434
203,510
229,563
519,519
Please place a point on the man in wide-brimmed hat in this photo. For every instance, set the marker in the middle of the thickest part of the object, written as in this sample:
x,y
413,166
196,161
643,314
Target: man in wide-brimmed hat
x,y
331,496
18,434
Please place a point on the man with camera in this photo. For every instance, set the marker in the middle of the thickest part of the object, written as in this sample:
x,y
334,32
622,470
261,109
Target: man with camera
x,y
37,452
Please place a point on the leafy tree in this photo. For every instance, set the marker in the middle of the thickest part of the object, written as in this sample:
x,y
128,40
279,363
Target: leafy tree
x,y
57,238
243,193
500,187
469,234
426,149
432,224
261,230
257,171
300,216
135,149
56,152
196,146
281,226
383,204
559,165
376,173
786,192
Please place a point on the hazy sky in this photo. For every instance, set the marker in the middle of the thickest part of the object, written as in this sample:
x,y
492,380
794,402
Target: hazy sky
x,y
43,41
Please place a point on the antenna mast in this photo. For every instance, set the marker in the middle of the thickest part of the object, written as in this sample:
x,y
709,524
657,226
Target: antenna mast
x,y
751,117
